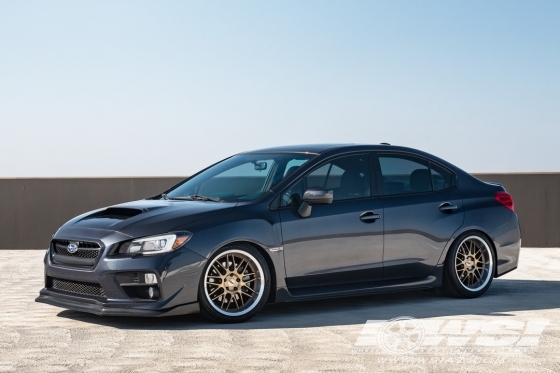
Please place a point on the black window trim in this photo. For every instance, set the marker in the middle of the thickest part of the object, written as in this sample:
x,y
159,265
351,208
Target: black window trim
x,y
379,175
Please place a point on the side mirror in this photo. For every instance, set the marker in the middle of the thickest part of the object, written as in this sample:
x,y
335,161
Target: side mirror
x,y
314,196
318,195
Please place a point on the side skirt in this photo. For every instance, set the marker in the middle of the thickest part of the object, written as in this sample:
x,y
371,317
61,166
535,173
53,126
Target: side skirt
x,y
285,294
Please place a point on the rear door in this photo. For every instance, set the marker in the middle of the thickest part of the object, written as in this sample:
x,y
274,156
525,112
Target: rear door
x,y
422,209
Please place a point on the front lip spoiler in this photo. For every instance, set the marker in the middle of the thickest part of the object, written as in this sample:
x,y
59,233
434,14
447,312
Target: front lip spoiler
x,y
102,310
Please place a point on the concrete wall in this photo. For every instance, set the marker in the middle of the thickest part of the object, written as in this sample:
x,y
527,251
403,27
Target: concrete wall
x,y
31,210
536,197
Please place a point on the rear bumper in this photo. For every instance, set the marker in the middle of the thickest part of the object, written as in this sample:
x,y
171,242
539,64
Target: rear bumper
x,y
507,240
107,309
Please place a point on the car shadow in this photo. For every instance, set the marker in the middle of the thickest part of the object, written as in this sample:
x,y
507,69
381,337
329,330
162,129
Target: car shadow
x,y
504,297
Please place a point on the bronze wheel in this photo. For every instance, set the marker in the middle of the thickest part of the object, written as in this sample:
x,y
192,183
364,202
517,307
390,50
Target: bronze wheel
x,y
469,266
235,285
473,263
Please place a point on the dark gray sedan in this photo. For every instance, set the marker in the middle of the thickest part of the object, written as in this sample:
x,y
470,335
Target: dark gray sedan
x,y
287,224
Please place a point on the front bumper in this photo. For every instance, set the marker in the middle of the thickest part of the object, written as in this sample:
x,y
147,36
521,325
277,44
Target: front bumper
x,y
108,309
178,274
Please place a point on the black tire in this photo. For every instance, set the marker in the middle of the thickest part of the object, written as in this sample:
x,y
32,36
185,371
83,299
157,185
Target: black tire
x,y
232,266
463,265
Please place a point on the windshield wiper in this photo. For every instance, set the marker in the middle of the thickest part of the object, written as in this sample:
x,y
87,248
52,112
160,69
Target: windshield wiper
x,y
164,196
195,197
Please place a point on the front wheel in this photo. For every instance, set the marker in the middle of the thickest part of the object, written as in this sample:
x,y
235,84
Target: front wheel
x,y
469,267
235,284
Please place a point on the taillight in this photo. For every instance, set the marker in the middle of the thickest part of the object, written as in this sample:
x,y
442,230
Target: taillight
x,y
505,199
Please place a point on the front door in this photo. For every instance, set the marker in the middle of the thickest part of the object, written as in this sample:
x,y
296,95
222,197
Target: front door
x,y
339,243
422,210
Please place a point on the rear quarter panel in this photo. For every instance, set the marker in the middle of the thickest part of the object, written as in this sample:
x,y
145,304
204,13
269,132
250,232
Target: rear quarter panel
x,y
483,213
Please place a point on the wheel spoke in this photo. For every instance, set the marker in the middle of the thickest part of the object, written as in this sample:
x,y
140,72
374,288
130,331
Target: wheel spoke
x,y
216,268
244,268
239,266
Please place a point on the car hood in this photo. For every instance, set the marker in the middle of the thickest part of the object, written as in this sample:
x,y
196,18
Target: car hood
x,y
140,218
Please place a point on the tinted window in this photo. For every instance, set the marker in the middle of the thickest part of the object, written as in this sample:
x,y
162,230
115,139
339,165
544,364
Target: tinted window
x,y
348,177
241,177
404,174
441,178
293,165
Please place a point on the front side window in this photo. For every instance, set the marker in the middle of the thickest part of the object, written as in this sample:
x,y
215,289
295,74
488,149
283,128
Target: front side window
x,y
349,177
404,174
241,177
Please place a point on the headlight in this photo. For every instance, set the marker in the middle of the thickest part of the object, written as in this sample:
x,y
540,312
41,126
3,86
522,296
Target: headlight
x,y
156,244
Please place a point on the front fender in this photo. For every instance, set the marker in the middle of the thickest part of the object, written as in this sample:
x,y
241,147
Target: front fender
x,y
242,224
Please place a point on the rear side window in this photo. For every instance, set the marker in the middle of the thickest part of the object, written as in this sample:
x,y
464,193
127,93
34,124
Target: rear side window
x,y
404,174
441,178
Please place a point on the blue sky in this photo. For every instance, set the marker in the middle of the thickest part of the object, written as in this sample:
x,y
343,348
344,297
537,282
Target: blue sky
x,y
134,88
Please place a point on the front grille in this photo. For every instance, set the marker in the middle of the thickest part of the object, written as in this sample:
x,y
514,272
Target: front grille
x,y
87,289
89,250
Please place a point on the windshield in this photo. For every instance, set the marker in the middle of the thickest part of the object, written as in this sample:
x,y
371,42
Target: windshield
x,y
240,178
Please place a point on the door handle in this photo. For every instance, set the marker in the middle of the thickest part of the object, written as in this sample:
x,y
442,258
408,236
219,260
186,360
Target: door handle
x,y
369,217
447,207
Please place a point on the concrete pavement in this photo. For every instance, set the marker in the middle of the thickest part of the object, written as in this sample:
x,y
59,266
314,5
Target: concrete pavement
x,y
319,336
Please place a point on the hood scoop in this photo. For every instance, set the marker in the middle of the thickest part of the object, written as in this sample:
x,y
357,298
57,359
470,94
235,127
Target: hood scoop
x,y
117,213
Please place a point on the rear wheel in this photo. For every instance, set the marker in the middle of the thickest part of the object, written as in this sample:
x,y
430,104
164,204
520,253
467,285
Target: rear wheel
x,y
469,267
235,284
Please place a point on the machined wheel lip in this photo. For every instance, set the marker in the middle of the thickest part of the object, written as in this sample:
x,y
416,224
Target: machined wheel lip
x,y
489,266
259,291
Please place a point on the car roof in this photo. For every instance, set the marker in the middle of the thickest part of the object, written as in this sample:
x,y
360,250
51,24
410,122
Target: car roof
x,y
336,148
303,148
308,148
